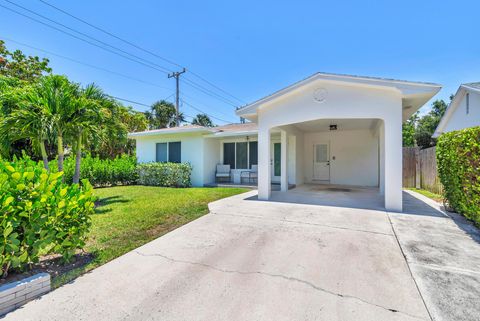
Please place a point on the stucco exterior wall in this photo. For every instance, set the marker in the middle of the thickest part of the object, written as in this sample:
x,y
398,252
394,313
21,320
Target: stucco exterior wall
x,y
460,119
355,153
342,101
192,150
211,157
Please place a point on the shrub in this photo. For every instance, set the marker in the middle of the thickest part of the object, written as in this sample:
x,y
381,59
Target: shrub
x,y
165,174
40,214
102,172
458,156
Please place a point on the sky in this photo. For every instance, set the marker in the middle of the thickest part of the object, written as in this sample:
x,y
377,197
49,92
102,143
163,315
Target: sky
x,y
248,49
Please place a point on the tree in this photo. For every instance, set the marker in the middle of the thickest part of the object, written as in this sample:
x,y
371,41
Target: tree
x,y
202,120
56,96
31,121
162,114
18,65
408,131
427,124
84,121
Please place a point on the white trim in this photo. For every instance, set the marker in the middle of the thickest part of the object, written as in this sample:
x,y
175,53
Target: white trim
x,y
165,131
452,107
404,87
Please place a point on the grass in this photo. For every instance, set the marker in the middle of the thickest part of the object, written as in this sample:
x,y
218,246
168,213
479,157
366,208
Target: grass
x,y
129,216
433,196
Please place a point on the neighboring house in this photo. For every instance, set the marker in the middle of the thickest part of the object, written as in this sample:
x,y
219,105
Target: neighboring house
x,y
325,129
463,111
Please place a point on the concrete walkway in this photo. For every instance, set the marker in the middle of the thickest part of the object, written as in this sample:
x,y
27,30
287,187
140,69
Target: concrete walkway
x,y
254,260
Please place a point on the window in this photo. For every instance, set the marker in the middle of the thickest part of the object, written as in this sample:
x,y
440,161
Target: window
x,y
175,152
229,154
162,152
241,155
467,99
169,152
253,154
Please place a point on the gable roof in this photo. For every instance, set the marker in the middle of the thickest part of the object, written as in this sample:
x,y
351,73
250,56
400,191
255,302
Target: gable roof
x,y
461,91
409,89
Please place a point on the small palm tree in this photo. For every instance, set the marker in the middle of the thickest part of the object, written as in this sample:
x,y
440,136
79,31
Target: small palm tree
x,y
85,121
27,121
56,96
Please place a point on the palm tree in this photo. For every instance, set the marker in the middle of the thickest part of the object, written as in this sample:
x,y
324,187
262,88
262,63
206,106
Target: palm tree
x,y
202,120
162,114
56,96
29,120
85,120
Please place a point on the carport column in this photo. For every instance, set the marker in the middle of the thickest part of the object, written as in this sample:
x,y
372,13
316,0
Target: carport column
x,y
393,164
283,165
264,159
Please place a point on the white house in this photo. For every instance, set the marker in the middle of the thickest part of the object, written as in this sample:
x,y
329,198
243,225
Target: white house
x,y
463,111
325,129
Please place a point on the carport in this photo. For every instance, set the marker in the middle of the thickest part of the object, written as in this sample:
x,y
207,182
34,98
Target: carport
x,y
336,129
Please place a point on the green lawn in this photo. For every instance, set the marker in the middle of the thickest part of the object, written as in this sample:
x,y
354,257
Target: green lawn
x,y
129,216
433,196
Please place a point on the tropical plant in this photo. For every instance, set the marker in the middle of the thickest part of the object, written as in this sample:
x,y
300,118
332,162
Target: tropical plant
x,y
20,66
458,157
84,121
162,114
165,174
30,121
40,214
202,120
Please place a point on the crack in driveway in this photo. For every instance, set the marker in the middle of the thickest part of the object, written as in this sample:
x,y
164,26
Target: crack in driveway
x,y
284,220
287,278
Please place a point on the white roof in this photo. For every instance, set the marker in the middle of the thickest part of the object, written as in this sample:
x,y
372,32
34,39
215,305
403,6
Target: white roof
x,y
224,130
414,94
461,91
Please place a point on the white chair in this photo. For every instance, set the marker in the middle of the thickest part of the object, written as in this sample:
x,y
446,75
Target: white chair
x,y
223,172
254,173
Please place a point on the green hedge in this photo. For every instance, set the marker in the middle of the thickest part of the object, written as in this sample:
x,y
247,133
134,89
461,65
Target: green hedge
x,y
165,174
102,172
458,157
40,214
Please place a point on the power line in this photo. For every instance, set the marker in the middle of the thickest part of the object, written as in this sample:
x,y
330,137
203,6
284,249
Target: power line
x,y
199,110
141,60
84,63
141,104
148,64
138,47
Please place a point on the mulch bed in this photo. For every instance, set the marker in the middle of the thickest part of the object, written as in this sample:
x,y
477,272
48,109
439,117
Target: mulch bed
x,y
50,264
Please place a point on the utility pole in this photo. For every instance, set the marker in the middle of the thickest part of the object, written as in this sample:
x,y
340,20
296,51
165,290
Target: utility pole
x,y
176,75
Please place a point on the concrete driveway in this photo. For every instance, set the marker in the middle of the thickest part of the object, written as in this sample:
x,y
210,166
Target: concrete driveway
x,y
251,260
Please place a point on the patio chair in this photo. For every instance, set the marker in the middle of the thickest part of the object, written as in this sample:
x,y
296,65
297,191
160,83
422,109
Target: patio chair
x,y
223,172
254,174
250,175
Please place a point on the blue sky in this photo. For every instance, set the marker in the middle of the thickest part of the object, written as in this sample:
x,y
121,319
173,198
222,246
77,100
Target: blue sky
x,y
252,48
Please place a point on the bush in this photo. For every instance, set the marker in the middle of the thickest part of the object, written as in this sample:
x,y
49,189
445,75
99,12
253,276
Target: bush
x,y
165,174
40,214
102,172
458,156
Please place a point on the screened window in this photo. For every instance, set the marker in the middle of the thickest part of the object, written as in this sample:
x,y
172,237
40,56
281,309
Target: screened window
x,y
175,152
229,154
162,152
253,153
169,152
242,155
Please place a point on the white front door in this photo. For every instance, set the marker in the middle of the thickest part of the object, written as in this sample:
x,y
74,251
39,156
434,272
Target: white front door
x,y
321,162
